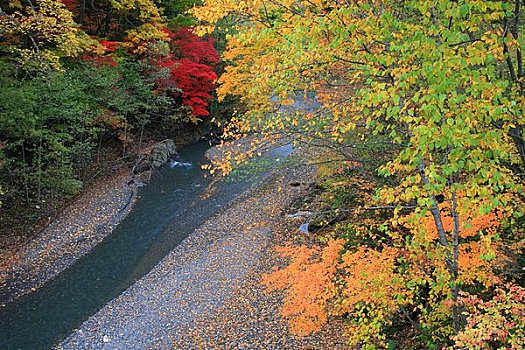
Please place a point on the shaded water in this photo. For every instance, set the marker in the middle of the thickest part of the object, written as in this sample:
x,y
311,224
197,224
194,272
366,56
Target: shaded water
x,y
169,209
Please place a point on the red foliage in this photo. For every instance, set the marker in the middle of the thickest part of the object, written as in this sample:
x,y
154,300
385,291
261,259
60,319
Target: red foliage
x,y
191,69
109,46
190,64
104,60
71,5
196,82
195,48
170,34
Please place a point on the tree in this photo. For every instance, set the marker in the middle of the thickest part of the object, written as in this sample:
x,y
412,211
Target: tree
x,y
41,32
190,62
46,125
86,72
433,78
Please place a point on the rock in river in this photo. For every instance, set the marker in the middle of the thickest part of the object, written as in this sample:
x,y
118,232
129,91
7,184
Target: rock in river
x,y
162,152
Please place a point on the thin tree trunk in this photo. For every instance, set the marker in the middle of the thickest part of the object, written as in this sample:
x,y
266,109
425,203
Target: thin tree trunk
x,y
39,182
140,137
434,209
107,23
125,139
451,250
99,148
456,309
82,12
515,33
517,133
517,136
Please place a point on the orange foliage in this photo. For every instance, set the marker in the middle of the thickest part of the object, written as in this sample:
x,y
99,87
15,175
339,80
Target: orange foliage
x,y
375,284
371,276
471,224
476,253
111,119
309,284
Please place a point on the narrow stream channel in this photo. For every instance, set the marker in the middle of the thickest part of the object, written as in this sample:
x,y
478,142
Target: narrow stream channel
x,y
169,209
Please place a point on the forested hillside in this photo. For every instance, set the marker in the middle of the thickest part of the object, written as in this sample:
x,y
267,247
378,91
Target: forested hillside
x,y
417,114
83,82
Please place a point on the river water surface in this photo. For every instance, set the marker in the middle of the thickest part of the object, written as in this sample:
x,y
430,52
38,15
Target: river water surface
x,y
168,210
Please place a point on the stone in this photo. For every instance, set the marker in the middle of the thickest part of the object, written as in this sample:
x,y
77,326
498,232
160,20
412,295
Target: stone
x,y
304,228
162,152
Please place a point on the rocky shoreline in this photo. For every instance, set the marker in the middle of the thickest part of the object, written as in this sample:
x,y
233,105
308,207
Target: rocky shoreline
x,y
206,294
81,226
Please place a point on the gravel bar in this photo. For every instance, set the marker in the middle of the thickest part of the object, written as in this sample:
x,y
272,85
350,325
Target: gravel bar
x,y
206,293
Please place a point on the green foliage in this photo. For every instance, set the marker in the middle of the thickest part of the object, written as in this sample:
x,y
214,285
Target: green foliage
x,y
49,124
46,124
65,90
126,93
176,11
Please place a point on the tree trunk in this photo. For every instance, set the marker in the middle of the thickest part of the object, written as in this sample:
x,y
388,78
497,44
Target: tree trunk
x,y
517,136
456,309
26,186
39,172
451,250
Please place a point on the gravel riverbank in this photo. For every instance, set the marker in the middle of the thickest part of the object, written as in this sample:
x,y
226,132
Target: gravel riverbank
x,y
206,293
81,226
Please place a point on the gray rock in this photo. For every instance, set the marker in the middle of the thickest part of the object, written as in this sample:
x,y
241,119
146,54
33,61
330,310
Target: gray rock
x,y
304,228
162,152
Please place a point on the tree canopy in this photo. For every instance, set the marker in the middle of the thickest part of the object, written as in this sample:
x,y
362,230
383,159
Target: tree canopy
x,y
440,85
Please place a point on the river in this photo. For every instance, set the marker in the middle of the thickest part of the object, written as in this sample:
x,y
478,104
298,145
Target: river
x,y
168,210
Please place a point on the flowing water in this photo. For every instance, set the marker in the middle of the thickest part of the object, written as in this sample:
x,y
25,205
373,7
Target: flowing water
x,y
168,210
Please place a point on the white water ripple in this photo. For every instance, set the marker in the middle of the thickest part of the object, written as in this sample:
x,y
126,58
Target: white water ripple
x,y
174,164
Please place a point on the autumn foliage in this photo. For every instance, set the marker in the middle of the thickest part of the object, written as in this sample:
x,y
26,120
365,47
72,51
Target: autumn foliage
x,y
309,283
112,71
190,68
189,58
377,286
496,323
428,95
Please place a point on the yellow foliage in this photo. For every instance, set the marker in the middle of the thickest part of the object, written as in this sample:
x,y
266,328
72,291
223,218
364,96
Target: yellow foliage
x,y
139,39
426,76
147,8
52,32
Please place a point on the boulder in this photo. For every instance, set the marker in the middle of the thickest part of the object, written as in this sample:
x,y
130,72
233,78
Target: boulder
x,y
161,152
